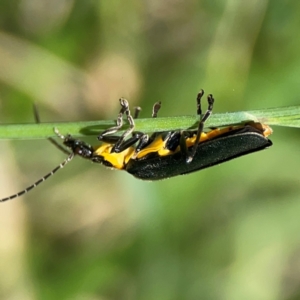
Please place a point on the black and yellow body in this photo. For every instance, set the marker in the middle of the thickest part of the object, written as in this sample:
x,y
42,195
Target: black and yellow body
x,y
167,154
163,154
218,149
163,157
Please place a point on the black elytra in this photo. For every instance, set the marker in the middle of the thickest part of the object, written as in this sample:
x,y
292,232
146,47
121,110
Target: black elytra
x,y
208,153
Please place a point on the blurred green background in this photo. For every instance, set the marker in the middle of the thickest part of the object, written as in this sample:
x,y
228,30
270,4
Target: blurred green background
x,y
228,232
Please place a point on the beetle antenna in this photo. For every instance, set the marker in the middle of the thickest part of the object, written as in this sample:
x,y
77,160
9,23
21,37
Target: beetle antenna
x,y
50,139
44,178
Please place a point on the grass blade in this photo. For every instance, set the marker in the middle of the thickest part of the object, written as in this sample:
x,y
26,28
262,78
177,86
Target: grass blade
x,y
281,116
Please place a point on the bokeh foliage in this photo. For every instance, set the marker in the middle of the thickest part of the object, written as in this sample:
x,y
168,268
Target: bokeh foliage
x,y
228,232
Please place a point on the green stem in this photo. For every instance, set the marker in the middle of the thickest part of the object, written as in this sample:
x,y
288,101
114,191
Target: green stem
x,y
282,116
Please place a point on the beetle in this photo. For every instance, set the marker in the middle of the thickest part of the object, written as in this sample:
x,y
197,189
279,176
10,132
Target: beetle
x,y
163,154
171,153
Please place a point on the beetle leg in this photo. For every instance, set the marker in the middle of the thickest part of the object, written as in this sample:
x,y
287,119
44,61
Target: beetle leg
x,y
137,111
144,139
118,145
203,118
124,109
118,140
143,142
156,108
136,136
199,96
